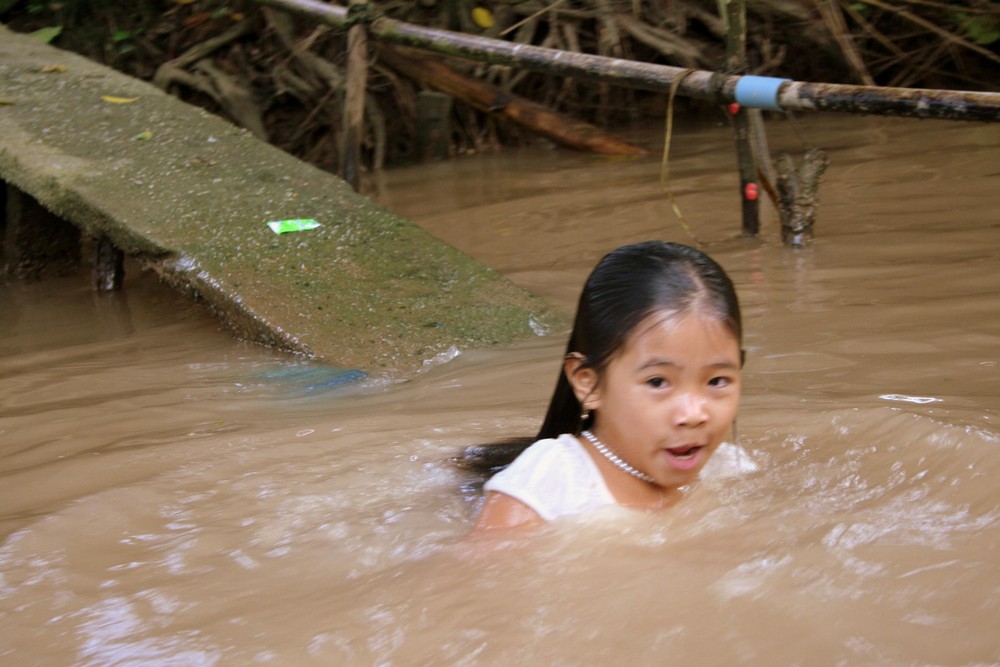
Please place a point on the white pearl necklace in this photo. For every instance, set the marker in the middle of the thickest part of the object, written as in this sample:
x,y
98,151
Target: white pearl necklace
x,y
614,458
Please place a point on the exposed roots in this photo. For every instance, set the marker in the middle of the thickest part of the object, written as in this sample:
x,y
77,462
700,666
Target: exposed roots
x,y
282,77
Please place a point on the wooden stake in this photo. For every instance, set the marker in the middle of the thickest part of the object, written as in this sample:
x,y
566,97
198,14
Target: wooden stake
x,y
354,99
108,270
433,126
736,62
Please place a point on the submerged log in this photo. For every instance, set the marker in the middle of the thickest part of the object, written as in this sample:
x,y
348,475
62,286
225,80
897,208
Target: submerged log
x,y
487,97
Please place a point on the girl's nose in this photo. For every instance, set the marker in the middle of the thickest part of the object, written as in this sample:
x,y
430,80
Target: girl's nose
x,y
691,410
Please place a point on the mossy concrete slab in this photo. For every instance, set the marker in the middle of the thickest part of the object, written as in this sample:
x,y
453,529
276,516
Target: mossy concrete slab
x,y
191,195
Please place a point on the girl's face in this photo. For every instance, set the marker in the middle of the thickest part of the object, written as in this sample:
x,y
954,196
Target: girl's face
x,y
668,398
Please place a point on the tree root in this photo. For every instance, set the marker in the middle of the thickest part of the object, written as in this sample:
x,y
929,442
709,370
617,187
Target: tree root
x,y
228,92
798,195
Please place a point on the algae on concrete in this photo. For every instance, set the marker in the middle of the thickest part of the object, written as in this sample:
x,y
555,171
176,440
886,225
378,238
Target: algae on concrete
x,y
190,195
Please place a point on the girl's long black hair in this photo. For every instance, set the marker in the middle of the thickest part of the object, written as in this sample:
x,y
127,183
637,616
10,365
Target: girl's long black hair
x,y
625,287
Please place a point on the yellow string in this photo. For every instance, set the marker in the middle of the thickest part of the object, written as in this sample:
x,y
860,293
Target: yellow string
x,y
665,164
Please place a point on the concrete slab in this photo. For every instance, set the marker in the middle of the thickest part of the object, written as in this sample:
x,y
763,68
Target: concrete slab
x,y
190,195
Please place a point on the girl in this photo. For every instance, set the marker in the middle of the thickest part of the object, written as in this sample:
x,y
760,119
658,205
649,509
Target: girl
x,y
649,387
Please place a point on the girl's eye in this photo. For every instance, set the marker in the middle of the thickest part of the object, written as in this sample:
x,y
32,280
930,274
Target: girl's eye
x,y
720,382
657,382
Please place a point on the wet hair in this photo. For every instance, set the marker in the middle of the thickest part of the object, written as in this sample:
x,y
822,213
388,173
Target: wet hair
x,y
627,286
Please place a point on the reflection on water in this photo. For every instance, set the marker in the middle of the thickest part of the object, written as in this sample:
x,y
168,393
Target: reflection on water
x,y
170,496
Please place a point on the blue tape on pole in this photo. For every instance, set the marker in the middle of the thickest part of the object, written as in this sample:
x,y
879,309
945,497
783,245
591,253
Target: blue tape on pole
x,y
760,92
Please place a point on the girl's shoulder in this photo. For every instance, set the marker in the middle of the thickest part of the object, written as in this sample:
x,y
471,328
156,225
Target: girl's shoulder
x,y
554,477
549,455
565,446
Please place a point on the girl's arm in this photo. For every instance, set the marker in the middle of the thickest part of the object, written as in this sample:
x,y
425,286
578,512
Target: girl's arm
x,y
503,511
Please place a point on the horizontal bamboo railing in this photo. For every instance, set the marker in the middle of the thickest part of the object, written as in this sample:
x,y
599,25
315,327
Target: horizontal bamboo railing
x,y
751,91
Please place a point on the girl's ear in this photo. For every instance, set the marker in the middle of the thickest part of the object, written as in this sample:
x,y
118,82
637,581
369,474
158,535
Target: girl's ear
x,y
583,379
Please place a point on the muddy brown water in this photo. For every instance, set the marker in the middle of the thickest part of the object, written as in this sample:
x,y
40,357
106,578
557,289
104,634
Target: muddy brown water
x,y
169,496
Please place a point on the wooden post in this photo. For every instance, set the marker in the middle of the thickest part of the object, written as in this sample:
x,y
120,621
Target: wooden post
x,y
736,62
108,269
433,127
354,99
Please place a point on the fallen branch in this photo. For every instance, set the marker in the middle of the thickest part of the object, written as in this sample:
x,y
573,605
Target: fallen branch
x,y
486,97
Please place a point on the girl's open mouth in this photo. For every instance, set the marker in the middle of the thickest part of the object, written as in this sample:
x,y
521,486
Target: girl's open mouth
x,y
685,457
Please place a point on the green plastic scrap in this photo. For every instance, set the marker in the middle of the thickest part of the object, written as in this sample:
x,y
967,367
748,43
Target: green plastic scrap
x,y
285,226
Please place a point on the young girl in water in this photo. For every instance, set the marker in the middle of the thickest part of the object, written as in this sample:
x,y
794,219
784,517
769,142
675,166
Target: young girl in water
x,y
649,387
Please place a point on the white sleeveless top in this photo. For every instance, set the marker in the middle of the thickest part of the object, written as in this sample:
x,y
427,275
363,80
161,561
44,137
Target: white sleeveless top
x,y
554,477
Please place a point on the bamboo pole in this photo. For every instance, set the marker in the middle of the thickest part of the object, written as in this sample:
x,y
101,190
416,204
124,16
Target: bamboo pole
x,y
699,84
